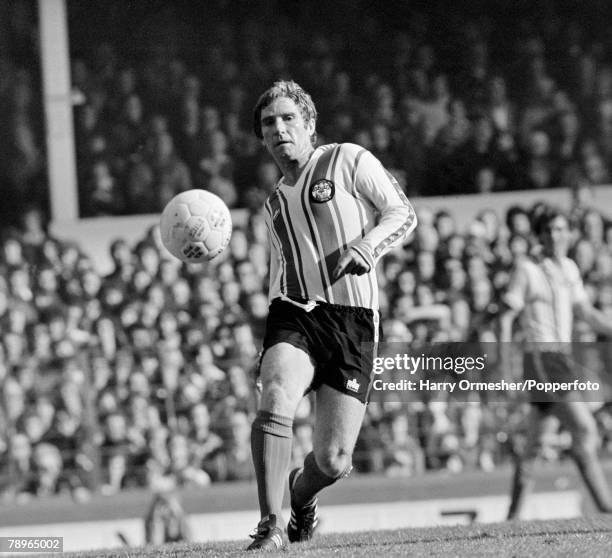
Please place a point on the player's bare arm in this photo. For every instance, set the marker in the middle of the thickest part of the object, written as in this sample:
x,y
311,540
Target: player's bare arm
x,y
506,322
512,303
505,325
594,317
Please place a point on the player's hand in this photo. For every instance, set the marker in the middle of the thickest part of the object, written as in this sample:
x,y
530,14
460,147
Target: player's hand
x,y
351,262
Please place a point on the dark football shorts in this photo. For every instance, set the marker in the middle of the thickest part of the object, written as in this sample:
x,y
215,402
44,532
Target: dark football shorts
x,y
548,366
340,339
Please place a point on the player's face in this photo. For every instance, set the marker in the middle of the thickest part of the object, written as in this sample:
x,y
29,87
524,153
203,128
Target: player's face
x,y
556,237
286,134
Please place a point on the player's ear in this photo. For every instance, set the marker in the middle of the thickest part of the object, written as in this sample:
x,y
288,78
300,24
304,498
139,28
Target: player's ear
x,y
310,126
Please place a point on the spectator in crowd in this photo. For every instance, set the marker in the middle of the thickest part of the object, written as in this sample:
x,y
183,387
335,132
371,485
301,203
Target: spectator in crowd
x,y
166,521
501,109
403,455
115,451
540,167
47,469
157,176
128,129
234,461
101,194
17,468
455,132
215,160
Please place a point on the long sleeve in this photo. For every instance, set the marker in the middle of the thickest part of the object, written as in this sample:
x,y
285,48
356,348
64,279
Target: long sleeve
x,y
397,218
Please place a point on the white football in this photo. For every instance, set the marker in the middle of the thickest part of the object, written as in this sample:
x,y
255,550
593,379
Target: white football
x,y
196,226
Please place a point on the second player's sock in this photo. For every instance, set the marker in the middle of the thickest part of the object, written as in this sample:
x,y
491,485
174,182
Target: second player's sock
x,y
522,485
271,437
595,479
311,482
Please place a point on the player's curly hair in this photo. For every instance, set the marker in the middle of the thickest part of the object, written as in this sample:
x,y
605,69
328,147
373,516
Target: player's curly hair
x,y
293,91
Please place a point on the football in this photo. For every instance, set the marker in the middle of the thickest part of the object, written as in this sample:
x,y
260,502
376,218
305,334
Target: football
x,y
195,226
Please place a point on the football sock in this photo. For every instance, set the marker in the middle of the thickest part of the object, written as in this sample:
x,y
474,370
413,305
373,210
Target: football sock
x,y
592,472
311,482
522,484
271,438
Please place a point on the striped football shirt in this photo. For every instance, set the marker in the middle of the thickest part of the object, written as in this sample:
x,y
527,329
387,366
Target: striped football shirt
x,y
545,292
344,198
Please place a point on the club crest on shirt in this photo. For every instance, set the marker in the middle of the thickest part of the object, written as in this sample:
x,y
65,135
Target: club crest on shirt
x,y
322,191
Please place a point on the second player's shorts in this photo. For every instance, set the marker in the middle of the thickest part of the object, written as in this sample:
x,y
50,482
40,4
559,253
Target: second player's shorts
x,y
340,339
548,366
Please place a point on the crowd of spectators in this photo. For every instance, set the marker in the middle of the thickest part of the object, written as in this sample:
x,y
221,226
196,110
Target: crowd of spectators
x,y
451,103
22,154
537,114
143,377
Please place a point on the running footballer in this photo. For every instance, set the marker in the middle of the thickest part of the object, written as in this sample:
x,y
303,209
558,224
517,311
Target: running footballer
x,y
335,212
546,291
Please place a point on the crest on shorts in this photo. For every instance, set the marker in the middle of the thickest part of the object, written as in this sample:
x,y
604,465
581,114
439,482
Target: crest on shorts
x,y
322,190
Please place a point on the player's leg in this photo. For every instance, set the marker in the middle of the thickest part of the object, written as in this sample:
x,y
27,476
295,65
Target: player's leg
x,y
522,480
585,443
340,407
338,421
286,372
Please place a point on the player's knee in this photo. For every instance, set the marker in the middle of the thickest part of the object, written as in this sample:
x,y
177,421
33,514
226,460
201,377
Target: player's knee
x,y
334,462
277,398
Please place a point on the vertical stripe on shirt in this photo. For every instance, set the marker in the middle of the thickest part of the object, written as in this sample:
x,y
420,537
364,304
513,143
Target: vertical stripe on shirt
x,y
317,173
295,248
558,316
547,310
336,216
274,237
279,225
362,222
354,169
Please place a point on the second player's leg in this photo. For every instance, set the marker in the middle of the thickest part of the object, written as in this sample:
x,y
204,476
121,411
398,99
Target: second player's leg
x,y
522,480
585,444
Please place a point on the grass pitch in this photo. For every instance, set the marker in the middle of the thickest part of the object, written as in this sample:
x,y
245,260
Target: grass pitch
x,y
588,537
